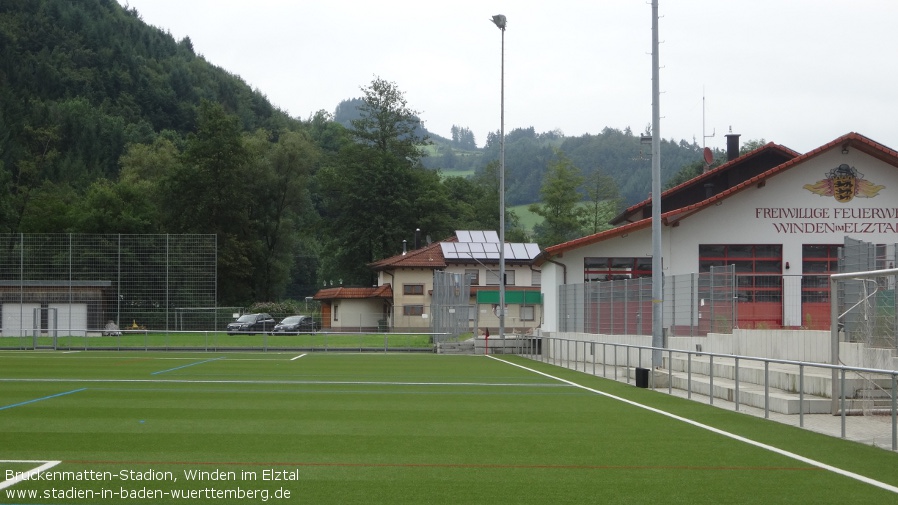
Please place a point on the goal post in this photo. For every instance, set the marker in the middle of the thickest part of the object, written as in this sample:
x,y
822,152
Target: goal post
x,y
863,310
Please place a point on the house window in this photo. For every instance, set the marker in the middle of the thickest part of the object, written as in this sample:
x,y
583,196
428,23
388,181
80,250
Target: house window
x,y
527,313
472,312
609,269
536,278
412,310
413,289
473,275
492,277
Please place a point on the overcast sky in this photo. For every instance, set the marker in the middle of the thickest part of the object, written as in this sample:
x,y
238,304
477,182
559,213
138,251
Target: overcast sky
x,y
796,72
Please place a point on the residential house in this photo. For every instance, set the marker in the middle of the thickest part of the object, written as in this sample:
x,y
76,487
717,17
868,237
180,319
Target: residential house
x,y
403,299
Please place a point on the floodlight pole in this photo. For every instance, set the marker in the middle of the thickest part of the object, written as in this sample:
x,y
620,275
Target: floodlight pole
x,y
500,22
657,264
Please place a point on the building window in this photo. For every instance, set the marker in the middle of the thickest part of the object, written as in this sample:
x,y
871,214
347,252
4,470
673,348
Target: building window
x,y
412,310
472,312
609,269
473,276
528,313
817,262
758,268
492,277
413,289
536,278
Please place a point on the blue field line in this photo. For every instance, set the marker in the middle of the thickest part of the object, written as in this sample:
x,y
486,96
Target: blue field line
x,y
187,365
42,398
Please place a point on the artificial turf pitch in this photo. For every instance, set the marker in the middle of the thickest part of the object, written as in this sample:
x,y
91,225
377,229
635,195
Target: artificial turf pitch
x,y
322,428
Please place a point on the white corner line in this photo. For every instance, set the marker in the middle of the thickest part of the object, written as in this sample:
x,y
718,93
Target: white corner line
x,y
297,357
818,464
28,473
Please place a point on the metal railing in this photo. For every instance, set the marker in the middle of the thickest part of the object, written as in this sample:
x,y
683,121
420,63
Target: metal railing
x,y
149,340
620,361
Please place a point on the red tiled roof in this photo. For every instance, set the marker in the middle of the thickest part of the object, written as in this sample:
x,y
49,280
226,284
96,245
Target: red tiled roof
x,y
699,179
851,141
429,256
342,293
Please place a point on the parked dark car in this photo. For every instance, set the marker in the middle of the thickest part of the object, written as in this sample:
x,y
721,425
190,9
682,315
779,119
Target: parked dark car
x,y
297,325
251,323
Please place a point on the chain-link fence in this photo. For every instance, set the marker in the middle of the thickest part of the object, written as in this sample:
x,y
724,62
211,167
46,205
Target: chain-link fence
x,y
72,284
694,304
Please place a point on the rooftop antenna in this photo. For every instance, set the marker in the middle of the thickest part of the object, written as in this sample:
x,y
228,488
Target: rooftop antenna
x,y
706,152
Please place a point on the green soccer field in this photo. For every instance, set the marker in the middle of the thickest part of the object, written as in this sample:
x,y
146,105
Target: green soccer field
x,y
327,428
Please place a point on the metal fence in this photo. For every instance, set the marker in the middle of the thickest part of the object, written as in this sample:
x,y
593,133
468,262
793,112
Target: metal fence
x,y
211,341
782,386
73,284
450,307
694,304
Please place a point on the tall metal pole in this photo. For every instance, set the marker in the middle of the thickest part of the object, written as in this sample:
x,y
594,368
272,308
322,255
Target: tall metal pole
x,y
500,21
657,264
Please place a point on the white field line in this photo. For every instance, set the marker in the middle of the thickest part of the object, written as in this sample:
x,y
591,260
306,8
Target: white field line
x,y
297,357
818,464
317,382
27,473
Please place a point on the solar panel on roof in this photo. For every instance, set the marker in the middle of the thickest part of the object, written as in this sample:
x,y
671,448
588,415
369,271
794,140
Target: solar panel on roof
x,y
448,249
532,250
480,245
476,236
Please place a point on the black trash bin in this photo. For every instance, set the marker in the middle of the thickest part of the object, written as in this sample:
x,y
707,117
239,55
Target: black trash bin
x,y
642,377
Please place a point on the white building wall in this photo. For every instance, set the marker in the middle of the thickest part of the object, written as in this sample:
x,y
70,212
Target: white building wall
x,y
18,319
353,313
778,211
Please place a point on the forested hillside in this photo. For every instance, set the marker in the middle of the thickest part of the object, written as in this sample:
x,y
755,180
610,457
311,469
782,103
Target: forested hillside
x,y
108,125
82,79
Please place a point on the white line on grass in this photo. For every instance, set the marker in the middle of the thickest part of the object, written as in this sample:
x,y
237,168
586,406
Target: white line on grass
x,y
28,474
818,464
297,357
298,382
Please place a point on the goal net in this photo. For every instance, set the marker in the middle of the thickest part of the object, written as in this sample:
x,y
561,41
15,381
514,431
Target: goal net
x,y
863,314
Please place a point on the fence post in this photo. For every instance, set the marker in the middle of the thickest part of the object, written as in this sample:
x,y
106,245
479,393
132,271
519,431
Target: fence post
x,y
736,397
801,395
692,309
895,411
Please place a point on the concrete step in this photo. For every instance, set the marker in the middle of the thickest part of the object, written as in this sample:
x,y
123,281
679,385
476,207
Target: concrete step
x,y
785,377
750,394
466,347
